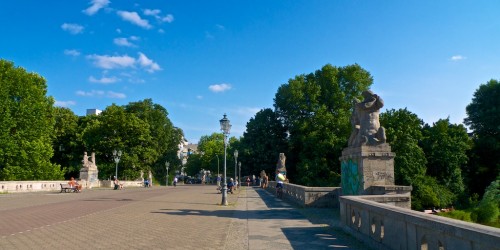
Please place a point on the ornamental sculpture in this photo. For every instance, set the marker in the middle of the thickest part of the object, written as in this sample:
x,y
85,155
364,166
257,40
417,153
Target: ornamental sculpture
x,y
366,129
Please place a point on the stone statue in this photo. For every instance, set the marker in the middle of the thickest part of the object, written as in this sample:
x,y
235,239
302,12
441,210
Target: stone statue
x,y
93,158
366,129
280,166
88,164
85,160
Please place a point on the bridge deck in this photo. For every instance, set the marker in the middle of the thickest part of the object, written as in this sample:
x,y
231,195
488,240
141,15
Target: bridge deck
x,y
185,217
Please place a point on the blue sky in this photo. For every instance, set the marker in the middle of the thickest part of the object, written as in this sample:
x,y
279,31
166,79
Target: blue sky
x,y
201,59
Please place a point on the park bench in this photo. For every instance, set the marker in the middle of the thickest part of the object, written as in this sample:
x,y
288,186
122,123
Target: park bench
x,y
66,188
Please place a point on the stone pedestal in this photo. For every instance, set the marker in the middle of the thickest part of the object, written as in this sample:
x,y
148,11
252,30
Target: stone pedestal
x,y
366,166
89,172
90,176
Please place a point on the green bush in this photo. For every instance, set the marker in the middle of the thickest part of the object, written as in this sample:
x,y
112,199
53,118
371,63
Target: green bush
x,y
486,212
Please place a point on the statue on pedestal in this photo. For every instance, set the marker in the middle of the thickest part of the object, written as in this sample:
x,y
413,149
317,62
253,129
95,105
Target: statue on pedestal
x,y
89,171
366,129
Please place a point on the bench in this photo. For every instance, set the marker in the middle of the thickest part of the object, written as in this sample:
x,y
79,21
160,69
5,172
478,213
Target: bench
x,y
66,188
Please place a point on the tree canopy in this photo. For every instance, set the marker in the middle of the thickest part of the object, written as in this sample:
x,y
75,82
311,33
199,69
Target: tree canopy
x,y
26,126
483,117
315,110
263,140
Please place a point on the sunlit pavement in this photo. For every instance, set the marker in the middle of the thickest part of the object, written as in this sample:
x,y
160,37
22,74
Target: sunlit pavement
x,y
185,217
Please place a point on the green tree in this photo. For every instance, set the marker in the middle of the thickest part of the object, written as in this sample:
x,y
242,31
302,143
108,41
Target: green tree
x,y
116,129
265,137
483,117
428,193
165,138
26,126
404,131
67,150
315,109
445,146
211,148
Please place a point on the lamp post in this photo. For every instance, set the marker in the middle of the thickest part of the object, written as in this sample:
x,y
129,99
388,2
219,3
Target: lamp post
x,y
225,126
235,163
239,173
167,164
116,156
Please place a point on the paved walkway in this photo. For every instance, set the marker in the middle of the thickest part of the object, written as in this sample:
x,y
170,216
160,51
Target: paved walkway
x,y
185,217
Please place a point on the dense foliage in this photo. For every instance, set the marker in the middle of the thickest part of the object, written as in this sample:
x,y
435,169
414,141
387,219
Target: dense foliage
x,y
483,117
26,126
315,110
262,142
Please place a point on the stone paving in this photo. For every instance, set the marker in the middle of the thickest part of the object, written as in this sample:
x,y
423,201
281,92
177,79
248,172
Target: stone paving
x,y
185,217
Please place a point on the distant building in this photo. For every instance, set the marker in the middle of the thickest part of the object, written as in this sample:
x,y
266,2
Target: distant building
x,y
93,111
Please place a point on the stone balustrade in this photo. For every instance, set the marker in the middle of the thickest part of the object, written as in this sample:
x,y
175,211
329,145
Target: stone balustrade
x,y
41,186
383,226
308,196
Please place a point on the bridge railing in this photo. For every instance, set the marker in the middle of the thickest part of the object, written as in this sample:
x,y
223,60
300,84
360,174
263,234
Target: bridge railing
x,y
309,196
388,227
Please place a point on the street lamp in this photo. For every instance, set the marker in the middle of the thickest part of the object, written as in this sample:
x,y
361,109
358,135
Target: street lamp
x,y
167,164
225,126
235,163
239,176
116,156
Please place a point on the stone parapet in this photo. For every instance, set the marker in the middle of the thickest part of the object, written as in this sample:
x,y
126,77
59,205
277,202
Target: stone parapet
x,y
309,196
384,226
45,186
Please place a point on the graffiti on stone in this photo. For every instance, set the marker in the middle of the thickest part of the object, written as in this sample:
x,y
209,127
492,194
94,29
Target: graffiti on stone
x,y
352,180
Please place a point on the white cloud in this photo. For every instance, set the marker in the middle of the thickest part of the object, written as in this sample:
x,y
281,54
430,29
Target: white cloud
x,y
116,62
72,28
100,93
71,52
112,62
119,31
220,27
458,58
104,80
134,18
112,94
219,87
90,93
161,31
156,13
199,97
121,41
64,103
147,63
168,18
96,6
149,12
247,111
